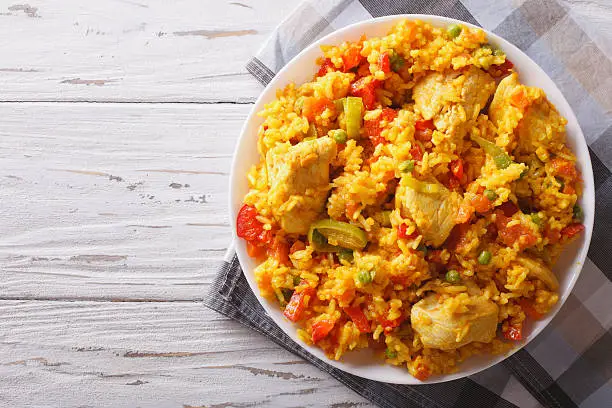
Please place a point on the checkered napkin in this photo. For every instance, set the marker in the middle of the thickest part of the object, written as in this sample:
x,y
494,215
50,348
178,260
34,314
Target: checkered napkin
x,y
570,363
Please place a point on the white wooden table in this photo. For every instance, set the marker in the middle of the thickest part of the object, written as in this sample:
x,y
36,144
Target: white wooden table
x,y
117,124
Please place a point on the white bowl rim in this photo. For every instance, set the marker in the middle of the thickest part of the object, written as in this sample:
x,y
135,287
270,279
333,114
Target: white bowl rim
x,y
587,200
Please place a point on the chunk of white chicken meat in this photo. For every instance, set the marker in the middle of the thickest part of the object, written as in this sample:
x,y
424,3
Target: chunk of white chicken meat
x,y
298,177
537,269
453,98
454,322
433,213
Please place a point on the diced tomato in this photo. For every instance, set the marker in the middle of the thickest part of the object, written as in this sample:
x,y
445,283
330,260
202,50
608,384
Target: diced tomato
x,y
315,106
416,152
423,124
365,88
326,67
297,303
265,237
529,310
372,128
514,333
297,246
571,230
508,208
247,226
388,114
255,251
553,235
347,296
456,167
422,372
352,58
568,188
481,204
499,71
516,233
452,183
464,213
280,251
384,62
401,232
435,256
359,318
423,130
363,70
564,168
321,328
389,325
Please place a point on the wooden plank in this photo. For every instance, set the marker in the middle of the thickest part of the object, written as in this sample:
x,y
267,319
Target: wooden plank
x,y
144,50
114,200
143,354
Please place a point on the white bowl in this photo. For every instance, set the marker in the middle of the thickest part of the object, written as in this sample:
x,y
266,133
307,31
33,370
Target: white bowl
x,y
302,69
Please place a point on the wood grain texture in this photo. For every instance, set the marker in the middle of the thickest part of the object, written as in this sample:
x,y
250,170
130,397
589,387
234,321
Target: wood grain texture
x,y
113,201
117,50
114,217
67,354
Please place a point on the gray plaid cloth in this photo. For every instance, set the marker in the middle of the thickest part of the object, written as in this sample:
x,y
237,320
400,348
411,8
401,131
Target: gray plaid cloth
x,y
570,363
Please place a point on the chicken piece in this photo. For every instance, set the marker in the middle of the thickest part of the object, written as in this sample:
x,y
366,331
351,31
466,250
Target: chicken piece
x,y
453,98
433,212
538,270
298,177
454,322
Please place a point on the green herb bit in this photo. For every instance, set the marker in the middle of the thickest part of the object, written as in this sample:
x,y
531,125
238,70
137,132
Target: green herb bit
x,y
287,293
484,258
390,353
578,213
339,135
537,219
422,248
296,280
364,277
490,194
345,254
406,166
397,61
453,276
453,30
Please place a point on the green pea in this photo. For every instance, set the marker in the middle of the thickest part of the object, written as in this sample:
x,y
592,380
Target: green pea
x,y
339,136
537,220
390,353
484,258
364,277
406,166
578,213
487,47
345,254
490,194
453,30
502,161
452,276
